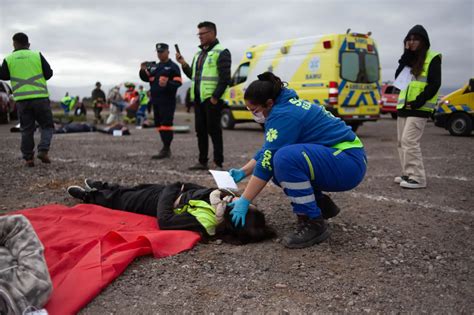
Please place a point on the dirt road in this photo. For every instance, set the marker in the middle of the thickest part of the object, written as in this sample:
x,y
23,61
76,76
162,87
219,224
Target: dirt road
x,y
391,250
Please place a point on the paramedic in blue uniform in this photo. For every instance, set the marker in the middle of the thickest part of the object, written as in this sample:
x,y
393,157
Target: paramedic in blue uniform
x,y
306,151
165,79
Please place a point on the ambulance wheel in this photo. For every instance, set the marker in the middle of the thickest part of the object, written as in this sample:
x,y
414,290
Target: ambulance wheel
x,y
394,115
227,121
460,124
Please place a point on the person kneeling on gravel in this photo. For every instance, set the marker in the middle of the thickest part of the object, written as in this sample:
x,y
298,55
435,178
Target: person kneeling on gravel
x,y
306,151
179,206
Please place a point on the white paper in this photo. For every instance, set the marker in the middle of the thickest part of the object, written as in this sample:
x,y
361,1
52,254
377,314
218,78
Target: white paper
x,y
117,133
403,79
224,180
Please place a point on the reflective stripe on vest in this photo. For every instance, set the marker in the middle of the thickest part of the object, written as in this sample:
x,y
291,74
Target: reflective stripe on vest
x,y
209,74
26,75
417,86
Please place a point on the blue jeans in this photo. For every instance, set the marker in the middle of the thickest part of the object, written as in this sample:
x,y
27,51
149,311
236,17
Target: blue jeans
x,y
304,171
30,112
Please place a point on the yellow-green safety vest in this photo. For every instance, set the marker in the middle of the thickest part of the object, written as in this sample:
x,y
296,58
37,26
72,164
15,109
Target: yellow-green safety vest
x,y
203,212
143,98
26,75
417,85
209,73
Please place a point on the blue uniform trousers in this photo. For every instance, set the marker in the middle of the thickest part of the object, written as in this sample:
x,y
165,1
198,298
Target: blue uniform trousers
x,y
305,170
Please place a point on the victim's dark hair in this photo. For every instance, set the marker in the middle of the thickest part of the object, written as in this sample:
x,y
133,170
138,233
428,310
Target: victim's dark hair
x,y
209,25
268,86
255,229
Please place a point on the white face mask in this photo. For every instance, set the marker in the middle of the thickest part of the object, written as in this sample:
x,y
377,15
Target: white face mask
x,y
258,117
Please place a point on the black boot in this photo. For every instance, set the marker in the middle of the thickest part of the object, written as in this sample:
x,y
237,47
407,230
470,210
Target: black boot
x,y
308,232
164,153
328,208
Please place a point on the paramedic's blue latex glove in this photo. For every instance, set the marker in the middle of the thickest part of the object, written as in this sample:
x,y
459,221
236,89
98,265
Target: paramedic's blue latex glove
x,y
237,174
240,209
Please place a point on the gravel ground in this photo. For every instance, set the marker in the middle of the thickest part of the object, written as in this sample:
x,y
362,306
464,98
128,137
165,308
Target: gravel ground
x,y
391,250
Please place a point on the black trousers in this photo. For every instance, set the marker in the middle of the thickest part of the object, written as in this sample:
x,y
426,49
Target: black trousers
x,y
208,122
141,199
163,112
30,112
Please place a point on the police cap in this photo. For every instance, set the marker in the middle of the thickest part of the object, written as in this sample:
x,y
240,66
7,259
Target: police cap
x,y
161,47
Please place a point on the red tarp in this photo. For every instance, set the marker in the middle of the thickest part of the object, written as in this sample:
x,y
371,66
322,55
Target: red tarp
x,y
88,246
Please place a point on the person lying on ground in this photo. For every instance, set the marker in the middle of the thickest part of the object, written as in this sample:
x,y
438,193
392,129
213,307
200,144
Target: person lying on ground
x,y
179,206
73,127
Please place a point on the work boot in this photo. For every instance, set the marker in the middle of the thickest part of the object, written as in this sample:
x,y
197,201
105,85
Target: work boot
x,y
164,153
43,156
29,163
199,167
328,208
91,185
218,167
400,179
307,233
77,192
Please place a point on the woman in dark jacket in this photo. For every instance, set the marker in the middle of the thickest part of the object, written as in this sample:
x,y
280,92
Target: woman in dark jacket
x,y
179,206
416,103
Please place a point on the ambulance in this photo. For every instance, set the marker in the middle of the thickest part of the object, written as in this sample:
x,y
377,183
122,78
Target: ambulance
x,y
455,111
338,71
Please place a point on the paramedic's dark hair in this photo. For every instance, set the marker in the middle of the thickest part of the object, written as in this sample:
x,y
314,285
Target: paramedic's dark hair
x,y
268,86
255,228
21,38
208,24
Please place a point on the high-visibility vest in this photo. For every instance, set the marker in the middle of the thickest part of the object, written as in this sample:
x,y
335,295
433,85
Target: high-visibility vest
x,y
26,75
417,85
143,98
66,100
209,74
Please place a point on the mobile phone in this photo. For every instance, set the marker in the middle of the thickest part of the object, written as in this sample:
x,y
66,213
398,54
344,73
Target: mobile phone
x,y
177,48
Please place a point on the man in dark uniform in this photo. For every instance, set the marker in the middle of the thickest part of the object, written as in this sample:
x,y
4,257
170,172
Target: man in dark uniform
x,y
165,79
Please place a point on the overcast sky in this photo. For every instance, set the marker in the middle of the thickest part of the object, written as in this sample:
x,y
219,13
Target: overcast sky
x,y
86,41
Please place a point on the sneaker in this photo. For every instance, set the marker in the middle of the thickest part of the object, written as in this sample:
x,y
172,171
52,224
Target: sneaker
x,y
29,163
411,184
400,179
199,167
328,208
164,154
43,156
77,192
91,185
308,232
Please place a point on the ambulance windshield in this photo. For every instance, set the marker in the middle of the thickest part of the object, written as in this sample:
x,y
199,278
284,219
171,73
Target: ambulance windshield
x,y
359,67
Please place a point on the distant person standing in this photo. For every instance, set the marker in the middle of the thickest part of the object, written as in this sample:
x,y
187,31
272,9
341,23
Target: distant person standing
x,y
143,105
66,103
98,102
416,104
28,71
210,75
165,79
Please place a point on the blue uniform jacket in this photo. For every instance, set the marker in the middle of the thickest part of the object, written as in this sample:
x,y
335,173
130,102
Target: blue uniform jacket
x,y
293,121
168,69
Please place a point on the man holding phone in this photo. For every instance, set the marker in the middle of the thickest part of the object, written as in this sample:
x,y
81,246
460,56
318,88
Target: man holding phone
x,y
210,75
165,79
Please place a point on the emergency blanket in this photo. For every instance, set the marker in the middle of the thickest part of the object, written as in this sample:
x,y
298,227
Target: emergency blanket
x,y
88,246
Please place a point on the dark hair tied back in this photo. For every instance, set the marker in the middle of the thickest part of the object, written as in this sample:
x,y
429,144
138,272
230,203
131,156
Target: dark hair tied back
x,y
268,86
